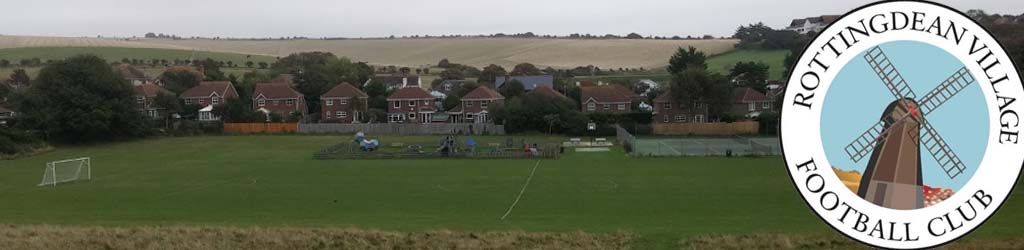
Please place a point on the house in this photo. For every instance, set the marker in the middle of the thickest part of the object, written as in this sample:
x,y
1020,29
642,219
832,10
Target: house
x,y
811,24
668,109
278,98
343,104
548,92
207,95
6,115
145,99
749,103
529,82
411,105
284,78
397,81
448,87
476,106
134,75
606,99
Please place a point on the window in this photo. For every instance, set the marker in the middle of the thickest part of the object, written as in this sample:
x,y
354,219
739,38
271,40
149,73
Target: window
x,y
426,103
447,87
215,100
329,103
412,103
261,102
412,116
766,105
277,102
622,106
591,106
680,118
698,118
469,103
397,105
341,114
202,101
483,104
139,99
667,105
469,117
290,102
343,101
188,101
395,118
607,106
698,105
751,106
327,115
665,119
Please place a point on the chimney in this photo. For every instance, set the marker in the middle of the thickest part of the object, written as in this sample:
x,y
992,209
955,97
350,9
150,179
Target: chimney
x,y
405,81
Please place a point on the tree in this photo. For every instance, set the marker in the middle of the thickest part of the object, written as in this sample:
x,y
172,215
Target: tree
x,y
20,78
211,69
443,63
248,64
685,59
750,74
177,79
634,36
452,74
171,105
263,65
490,73
4,63
751,35
317,72
512,89
695,85
525,69
81,100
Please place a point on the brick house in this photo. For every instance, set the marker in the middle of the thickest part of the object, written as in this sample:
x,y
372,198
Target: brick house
x,y
343,104
278,98
6,115
411,105
145,99
207,95
606,99
397,81
668,109
547,91
476,106
749,103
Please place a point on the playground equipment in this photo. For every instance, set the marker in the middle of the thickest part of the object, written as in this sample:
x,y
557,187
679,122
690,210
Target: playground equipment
x,y
364,144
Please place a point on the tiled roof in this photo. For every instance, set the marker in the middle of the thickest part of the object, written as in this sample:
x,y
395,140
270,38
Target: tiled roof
x,y
410,93
747,95
343,90
284,78
605,94
482,93
529,82
398,80
205,89
275,91
149,90
129,72
666,97
547,91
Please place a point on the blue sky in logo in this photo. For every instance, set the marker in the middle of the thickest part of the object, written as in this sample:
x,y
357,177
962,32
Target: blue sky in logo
x,y
857,98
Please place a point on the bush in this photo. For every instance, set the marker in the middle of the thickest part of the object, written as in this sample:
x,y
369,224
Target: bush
x,y
15,141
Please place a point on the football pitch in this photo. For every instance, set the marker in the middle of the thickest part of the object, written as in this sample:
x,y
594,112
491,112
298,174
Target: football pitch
x,y
273,181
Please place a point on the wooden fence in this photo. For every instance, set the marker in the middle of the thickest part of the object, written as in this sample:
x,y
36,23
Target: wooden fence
x,y
403,129
718,128
255,128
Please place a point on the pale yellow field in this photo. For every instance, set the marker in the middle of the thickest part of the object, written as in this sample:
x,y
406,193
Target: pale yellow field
x,y
479,52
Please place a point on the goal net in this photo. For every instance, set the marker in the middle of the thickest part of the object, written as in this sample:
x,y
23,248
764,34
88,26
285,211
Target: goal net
x,y
66,171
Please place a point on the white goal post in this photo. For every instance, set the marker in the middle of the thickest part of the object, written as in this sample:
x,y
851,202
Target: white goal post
x,y
67,171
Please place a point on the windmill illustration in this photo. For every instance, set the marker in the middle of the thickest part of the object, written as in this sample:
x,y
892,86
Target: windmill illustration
x,y
892,178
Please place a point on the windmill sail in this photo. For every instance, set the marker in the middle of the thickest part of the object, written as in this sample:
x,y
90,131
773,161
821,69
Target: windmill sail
x,y
892,78
866,142
946,90
942,153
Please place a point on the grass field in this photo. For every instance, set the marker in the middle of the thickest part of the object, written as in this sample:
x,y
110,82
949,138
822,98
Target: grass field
x,y
272,181
773,58
115,54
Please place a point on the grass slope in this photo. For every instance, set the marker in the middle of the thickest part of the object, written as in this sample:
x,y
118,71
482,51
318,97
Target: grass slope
x,y
272,181
773,58
115,54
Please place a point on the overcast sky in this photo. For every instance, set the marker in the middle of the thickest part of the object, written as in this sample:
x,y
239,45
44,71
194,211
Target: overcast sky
x,y
377,18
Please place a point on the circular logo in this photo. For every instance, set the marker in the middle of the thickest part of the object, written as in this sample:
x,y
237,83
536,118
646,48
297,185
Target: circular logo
x,y
900,125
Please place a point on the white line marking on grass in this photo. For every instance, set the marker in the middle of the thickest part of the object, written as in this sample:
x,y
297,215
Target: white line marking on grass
x,y
442,188
521,191
670,147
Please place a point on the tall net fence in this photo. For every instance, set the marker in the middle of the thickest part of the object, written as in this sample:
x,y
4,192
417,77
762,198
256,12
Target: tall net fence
x,y
691,146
